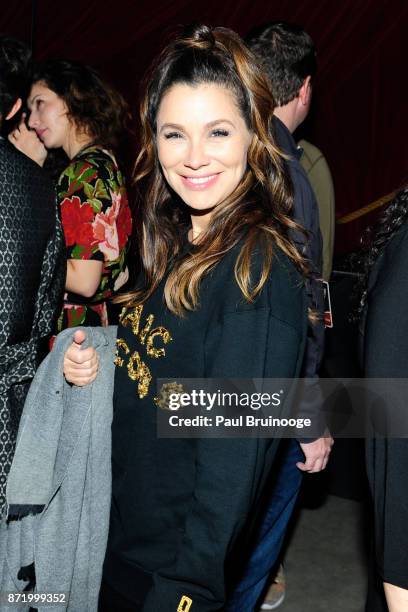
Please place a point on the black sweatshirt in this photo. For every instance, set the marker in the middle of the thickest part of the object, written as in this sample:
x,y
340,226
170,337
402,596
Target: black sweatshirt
x,y
180,504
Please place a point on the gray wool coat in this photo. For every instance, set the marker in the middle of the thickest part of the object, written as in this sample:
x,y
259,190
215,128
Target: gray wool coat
x,y
62,462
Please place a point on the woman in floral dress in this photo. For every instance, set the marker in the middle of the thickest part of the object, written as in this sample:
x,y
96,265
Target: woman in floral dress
x,y
73,109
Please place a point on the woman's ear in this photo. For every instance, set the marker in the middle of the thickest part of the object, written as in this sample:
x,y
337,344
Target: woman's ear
x,y
16,107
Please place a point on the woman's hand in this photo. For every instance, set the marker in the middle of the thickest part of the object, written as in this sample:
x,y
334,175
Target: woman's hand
x,y
27,142
80,365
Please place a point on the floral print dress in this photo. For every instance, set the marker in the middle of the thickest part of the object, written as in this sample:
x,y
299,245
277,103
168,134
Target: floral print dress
x,y
97,225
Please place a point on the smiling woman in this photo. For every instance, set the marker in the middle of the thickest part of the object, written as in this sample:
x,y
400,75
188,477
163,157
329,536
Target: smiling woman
x,y
221,294
205,157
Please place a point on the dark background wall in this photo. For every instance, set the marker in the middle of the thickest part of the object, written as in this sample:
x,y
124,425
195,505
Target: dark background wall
x,y
359,115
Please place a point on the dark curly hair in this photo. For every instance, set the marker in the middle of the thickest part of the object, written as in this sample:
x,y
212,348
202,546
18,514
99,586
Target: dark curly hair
x,y
287,55
374,242
14,72
93,105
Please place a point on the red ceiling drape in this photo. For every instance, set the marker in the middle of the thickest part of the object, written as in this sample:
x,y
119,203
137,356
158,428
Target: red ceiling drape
x,y
359,116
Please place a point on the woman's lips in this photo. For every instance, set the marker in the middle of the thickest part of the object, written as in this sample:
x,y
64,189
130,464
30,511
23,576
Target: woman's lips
x,y
198,183
40,133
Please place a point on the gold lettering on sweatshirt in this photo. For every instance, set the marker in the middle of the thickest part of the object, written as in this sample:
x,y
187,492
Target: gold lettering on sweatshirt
x,y
137,369
120,346
185,604
153,351
141,373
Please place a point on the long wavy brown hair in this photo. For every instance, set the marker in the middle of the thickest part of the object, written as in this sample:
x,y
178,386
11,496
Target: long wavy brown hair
x,y
257,212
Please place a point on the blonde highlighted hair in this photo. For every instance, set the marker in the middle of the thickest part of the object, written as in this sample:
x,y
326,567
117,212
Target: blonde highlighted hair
x,y
257,210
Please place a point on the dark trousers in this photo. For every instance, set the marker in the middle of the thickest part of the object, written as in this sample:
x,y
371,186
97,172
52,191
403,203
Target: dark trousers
x,y
270,538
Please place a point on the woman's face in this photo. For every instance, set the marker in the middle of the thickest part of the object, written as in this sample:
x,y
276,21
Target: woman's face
x,y
202,142
48,116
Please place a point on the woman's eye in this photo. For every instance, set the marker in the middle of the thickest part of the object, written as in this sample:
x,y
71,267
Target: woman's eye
x,y
218,132
170,135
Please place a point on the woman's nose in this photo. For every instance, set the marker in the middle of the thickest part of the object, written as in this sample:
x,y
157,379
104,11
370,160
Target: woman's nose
x,y
32,120
196,156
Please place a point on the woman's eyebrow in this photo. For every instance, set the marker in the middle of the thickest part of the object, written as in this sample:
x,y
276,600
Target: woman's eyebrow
x,y
174,126
30,101
210,124
213,123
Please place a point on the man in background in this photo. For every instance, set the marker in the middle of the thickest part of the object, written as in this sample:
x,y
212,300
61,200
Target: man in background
x,y
32,259
288,57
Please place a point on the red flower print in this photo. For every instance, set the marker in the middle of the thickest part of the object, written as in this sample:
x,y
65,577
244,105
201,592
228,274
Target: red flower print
x,y
112,228
77,221
105,232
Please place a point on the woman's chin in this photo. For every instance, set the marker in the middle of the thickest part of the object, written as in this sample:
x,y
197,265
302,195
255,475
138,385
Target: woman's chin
x,y
200,211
